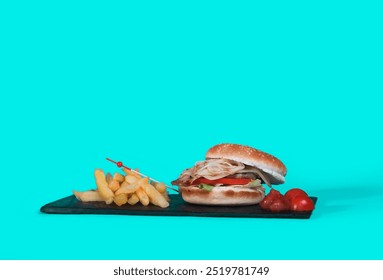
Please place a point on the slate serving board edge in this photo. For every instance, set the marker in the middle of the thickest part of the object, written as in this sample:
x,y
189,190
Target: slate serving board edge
x,y
70,205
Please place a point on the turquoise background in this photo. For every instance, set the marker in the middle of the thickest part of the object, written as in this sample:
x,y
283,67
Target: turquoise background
x,y
155,84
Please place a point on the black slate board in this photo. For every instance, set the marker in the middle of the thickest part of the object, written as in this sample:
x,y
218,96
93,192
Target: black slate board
x,y
70,205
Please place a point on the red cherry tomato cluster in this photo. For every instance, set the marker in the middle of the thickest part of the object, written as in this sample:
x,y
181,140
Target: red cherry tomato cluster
x,y
294,199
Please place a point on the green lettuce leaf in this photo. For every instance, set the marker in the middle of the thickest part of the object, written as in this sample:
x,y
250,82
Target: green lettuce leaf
x,y
255,183
205,187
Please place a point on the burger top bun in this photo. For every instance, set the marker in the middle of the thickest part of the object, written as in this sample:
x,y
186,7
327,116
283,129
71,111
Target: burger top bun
x,y
252,157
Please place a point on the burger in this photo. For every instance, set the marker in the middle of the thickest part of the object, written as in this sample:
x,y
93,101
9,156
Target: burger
x,y
230,175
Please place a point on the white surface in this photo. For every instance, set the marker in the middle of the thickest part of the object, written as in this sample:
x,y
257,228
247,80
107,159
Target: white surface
x,y
104,270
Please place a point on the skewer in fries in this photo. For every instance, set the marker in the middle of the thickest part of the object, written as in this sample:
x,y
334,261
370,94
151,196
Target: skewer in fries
x,y
125,189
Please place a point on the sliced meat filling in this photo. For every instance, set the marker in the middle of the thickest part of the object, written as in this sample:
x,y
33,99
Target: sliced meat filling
x,y
213,169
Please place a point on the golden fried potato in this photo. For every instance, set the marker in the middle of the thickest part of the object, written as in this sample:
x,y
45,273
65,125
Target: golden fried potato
x,y
121,189
127,188
108,178
166,196
121,199
88,196
130,172
118,177
114,185
142,196
155,196
130,179
136,175
102,186
131,188
160,187
133,199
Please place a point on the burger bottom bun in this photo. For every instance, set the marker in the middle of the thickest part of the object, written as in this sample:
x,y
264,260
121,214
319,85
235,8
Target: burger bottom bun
x,y
229,196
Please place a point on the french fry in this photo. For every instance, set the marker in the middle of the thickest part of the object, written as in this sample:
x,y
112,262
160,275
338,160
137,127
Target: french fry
x,y
114,185
102,186
142,196
166,196
130,179
122,189
133,199
126,170
129,172
155,196
160,187
88,196
118,177
108,178
121,199
131,188
127,188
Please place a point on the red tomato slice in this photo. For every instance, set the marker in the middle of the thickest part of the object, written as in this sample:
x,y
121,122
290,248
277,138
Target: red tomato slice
x,y
223,181
301,203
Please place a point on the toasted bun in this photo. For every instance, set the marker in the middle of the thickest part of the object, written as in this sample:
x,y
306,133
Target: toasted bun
x,y
222,196
252,157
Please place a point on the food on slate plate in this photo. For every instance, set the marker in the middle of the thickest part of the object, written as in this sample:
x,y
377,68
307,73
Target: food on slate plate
x,y
232,174
290,194
294,199
120,189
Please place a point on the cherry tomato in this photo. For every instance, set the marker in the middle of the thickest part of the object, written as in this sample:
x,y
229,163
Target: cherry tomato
x,y
269,199
301,203
274,194
266,202
290,194
279,205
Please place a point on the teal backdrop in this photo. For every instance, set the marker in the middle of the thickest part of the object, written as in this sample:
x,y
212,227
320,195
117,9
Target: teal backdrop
x,y
155,84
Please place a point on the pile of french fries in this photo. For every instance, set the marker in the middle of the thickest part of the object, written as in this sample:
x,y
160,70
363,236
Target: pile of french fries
x,y
121,189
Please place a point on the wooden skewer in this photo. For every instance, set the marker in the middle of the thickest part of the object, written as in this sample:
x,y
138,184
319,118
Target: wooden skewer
x,y
120,164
